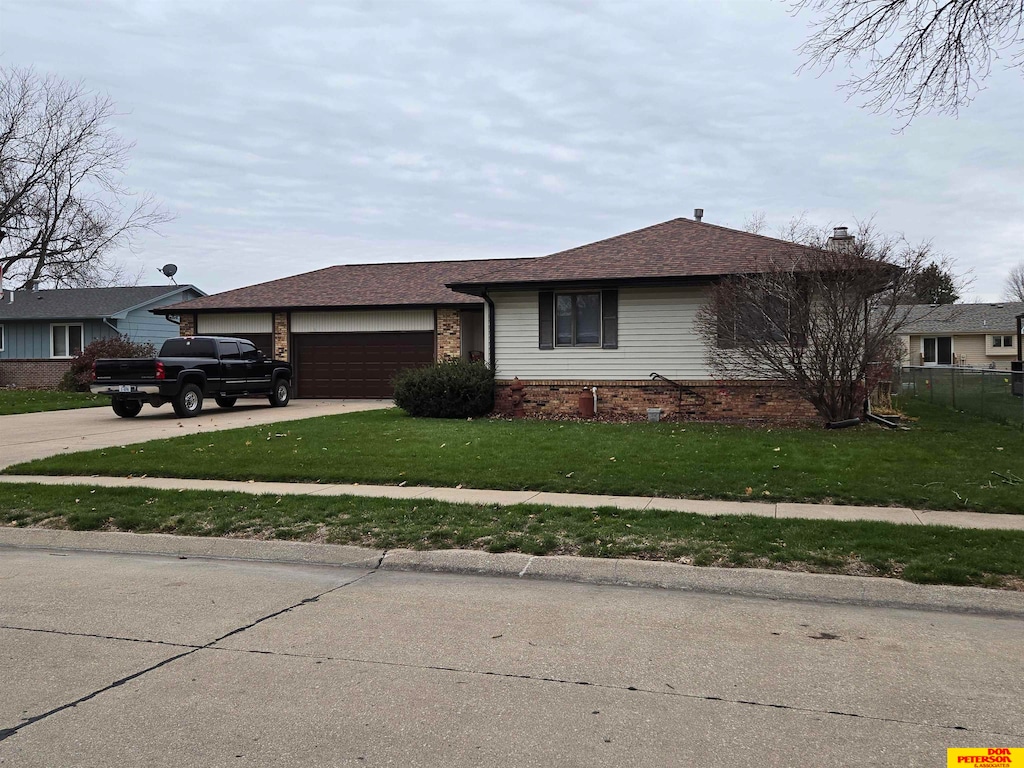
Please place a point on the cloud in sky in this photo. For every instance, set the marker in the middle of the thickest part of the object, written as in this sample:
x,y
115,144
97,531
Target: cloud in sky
x,y
287,136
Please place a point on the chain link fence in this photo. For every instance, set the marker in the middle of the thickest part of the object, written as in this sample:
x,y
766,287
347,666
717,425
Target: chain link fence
x,y
991,394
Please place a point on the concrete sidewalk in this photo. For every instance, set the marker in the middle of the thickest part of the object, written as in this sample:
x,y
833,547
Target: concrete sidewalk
x,y
900,515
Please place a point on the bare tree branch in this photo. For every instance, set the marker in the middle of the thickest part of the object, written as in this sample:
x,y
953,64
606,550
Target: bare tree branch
x,y
1013,290
63,205
918,56
820,315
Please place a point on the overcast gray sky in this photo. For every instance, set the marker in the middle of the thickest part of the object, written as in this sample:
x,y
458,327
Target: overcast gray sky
x,y
287,136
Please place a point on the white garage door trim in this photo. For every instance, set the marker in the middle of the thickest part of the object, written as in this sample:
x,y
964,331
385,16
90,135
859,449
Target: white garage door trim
x,y
236,322
363,321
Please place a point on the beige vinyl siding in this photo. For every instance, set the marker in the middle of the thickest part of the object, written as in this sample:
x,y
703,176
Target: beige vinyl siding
x,y
970,351
363,321
656,333
236,322
1005,353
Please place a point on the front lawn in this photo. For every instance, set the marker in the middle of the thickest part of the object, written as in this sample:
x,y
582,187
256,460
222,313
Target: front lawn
x,y
36,400
947,461
925,554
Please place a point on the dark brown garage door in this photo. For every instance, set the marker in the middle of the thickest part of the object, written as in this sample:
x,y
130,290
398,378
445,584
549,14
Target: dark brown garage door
x,y
357,365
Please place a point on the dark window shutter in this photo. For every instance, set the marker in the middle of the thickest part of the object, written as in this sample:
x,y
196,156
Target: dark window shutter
x,y
610,319
546,319
726,330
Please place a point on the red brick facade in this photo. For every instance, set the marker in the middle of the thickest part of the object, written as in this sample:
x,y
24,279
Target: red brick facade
x,y
732,401
187,324
32,374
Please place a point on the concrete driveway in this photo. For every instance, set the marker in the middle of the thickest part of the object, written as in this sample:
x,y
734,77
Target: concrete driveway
x,y
28,436
160,661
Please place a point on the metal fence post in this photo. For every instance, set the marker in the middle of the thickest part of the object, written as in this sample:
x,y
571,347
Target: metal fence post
x,y
952,384
982,392
931,389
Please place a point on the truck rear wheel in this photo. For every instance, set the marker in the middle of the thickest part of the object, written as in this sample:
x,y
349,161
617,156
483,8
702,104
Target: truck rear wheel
x,y
126,409
189,401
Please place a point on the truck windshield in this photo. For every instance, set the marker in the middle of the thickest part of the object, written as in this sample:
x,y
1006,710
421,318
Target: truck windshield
x,y
188,348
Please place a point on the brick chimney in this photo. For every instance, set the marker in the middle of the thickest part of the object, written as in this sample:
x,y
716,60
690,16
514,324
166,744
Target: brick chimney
x,y
841,239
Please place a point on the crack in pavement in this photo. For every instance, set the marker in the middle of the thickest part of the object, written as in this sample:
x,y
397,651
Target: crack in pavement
x,y
627,688
6,733
66,633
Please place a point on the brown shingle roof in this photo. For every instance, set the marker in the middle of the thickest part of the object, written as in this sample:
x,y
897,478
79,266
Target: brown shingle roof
x,y
354,285
680,248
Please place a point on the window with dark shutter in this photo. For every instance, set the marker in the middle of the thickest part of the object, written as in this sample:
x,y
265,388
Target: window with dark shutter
x,y
610,319
546,319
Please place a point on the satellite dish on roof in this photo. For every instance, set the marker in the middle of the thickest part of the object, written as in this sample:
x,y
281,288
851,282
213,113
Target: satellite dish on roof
x,y
170,270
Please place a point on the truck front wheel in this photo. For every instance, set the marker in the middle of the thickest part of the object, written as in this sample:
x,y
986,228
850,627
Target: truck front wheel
x,y
189,401
126,409
281,394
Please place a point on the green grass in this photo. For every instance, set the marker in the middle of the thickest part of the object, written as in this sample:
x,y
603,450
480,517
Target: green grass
x,y
924,554
945,462
36,400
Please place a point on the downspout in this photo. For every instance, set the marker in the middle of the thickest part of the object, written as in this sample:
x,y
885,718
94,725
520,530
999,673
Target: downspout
x,y
106,322
490,340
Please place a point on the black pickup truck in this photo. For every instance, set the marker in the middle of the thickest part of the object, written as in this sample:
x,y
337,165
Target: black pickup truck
x,y
189,369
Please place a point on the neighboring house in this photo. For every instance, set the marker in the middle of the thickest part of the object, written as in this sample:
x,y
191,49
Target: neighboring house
x,y
41,330
349,329
972,335
609,315
604,315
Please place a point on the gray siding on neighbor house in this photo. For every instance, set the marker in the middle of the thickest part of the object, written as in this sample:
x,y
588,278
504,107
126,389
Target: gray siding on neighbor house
x,y
141,326
30,339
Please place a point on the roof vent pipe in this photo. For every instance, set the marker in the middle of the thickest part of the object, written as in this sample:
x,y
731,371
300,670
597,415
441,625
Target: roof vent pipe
x,y
698,213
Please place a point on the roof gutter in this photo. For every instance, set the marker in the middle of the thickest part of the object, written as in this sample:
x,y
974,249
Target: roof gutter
x,y
491,321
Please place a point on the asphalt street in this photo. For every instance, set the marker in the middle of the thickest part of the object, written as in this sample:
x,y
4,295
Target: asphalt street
x,y
165,661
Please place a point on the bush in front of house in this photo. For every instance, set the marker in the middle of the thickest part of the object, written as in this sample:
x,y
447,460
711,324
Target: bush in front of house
x,y
79,375
454,389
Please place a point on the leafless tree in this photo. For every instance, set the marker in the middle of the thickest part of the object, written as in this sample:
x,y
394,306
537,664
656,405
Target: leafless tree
x,y
1014,288
820,316
917,56
756,223
63,205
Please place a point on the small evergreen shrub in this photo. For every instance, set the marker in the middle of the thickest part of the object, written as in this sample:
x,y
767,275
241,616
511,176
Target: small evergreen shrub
x,y
454,389
79,375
